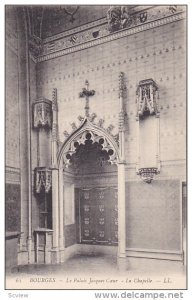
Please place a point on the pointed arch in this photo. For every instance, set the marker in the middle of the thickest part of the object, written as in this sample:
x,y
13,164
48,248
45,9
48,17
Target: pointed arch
x,y
79,135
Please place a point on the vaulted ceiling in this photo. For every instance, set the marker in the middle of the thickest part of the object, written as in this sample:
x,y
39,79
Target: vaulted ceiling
x,y
48,20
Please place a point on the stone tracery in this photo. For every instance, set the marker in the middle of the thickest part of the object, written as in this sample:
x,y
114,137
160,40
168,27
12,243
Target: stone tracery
x,y
88,145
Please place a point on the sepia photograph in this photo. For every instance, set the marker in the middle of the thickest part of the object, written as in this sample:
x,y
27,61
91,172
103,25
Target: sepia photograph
x,y
95,147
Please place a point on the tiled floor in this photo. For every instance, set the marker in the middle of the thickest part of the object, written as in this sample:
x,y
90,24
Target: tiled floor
x,y
81,268
84,263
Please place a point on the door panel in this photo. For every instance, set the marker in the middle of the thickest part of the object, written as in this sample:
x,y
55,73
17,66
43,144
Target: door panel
x,y
99,216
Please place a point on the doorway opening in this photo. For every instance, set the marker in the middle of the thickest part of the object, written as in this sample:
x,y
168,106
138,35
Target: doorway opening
x,y
90,192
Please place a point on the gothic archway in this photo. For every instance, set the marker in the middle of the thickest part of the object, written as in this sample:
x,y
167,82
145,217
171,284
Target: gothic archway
x,y
87,143
79,136
112,150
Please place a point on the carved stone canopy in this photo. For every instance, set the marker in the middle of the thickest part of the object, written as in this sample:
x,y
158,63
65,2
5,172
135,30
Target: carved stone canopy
x,y
147,98
42,113
43,180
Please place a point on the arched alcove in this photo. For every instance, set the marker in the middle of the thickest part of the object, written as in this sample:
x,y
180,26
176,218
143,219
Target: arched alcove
x,y
88,193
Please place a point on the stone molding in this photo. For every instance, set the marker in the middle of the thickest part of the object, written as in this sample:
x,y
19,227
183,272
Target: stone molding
x,y
155,254
75,30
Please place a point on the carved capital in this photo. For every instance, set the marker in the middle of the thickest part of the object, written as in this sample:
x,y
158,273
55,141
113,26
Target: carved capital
x,y
42,113
43,180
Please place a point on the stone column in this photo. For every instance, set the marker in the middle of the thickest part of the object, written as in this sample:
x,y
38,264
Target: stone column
x,y
55,179
23,108
121,176
55,214
121,211
28,112
61,214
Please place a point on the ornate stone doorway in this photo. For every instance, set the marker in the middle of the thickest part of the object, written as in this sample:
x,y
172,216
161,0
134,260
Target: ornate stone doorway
x,y
90,166
92,171
87,150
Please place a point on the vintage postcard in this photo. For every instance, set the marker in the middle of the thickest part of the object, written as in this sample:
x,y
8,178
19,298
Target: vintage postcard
x,y
95,147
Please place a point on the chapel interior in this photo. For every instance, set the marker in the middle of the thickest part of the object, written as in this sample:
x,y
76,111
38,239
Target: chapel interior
x,y
95,126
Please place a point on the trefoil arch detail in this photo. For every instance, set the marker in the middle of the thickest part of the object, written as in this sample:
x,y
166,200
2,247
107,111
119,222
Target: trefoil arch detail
x,y
86,132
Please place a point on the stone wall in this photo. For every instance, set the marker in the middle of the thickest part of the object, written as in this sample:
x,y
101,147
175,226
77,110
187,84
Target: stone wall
x,y
12,125
153,219
158,53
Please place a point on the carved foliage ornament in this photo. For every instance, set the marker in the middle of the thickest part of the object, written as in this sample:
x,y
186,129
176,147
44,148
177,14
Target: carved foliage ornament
x,y
147,98
42,113
43,180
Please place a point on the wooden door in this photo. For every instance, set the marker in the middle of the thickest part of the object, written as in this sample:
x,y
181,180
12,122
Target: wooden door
x,y
98,216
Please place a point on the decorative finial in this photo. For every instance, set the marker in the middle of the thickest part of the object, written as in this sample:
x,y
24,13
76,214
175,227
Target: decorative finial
x,y
121,102
86,94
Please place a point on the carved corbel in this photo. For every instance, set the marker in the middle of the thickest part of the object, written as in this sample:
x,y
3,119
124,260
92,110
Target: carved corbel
x,y
147,174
